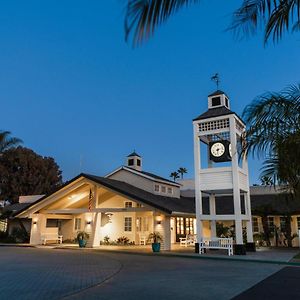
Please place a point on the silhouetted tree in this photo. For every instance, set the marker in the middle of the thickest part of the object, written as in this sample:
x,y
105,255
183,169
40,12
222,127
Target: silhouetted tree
x,y
23,172
182,171
174,175
7,142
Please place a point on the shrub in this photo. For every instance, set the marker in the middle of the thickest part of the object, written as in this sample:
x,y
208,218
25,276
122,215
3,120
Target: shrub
x,y
123,240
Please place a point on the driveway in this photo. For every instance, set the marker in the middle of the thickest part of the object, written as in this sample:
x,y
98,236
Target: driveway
x,y
29,273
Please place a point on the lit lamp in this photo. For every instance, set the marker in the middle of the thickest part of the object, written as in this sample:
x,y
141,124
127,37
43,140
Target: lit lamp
x,y
158,222
34,222
88,222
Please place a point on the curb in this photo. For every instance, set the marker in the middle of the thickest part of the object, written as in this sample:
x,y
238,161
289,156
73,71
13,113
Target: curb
x,y
289,263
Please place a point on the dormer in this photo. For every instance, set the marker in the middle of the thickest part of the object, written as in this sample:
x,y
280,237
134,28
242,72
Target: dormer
x,y
134,161
218,99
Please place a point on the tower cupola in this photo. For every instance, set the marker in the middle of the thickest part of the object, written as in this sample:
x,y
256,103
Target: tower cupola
x,y
218,99
134,161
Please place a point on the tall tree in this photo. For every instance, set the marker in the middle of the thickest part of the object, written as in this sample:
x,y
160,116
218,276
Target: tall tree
x,y
23,172
174,175
182,171
274,128
7,142
275,16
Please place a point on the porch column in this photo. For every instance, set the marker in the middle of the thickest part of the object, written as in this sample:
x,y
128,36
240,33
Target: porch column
x,y
96,233
38,226
166,224
248,213
212,211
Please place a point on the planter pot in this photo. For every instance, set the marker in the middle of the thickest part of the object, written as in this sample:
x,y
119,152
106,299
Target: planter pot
x,y
82,243
155,247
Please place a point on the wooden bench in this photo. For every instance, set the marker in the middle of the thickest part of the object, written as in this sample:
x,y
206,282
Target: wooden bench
x,y
190,239
51,234
217,243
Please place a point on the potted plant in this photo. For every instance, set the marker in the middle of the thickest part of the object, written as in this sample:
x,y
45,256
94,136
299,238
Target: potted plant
x,y
82,238
156,238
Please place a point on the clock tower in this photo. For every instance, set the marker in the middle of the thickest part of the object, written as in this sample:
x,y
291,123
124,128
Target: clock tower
x,y
221,172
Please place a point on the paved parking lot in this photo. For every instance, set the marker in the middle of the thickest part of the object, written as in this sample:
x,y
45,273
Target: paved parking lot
x,y
29,273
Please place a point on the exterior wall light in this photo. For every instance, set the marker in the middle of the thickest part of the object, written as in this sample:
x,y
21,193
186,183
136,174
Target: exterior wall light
x,y
88,222
158,222
34,222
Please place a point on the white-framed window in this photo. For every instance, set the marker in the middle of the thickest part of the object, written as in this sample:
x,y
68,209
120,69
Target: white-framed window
x,y
128,224
163,189
146,222
282,224
128,204
156,187
170,190
77,224
298,223
139,224
255,224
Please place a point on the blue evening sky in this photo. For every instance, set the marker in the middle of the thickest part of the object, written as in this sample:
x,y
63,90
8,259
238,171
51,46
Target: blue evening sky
x,y
71,87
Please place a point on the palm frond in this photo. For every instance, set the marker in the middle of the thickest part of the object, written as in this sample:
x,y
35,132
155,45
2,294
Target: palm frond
x,y
144,16
276,16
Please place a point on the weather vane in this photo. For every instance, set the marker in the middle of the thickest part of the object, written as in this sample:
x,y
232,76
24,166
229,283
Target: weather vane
x,y
216,79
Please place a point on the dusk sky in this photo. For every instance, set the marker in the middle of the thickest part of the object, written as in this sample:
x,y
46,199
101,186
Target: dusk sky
x,y
73,89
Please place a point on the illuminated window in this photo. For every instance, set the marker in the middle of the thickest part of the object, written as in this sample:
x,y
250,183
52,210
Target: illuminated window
x,y
298,223
127,224
77,224
139,224
128,204
179,226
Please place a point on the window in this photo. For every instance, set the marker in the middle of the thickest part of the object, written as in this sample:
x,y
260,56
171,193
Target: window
x,y
139,224
255,225
226,102
139,205
189,225
282,224
156,188
298,223
77,224
216,101
127,224
3,225
163,189
130,162
138,162
128,204
170,190
271,223
146,224
179,226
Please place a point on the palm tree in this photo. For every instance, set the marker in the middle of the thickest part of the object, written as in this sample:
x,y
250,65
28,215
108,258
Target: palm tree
x,y
276,16
274,120
182,171
7,142
174,175
266,181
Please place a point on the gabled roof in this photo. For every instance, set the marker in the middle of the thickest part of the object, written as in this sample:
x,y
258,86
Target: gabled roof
x,y
217,92
133,154
217,112
147,175
163,203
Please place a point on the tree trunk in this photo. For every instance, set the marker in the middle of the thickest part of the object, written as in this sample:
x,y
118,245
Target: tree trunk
x,y
266,228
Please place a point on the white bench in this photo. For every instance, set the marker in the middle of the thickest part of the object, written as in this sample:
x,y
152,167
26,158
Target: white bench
x,y
190,239
216,243
51,234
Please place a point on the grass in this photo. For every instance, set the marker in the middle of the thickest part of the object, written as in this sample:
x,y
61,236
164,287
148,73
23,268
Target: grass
x,y
297,256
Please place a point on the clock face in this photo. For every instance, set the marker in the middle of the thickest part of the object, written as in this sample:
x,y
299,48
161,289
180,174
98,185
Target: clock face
x,y
217,149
